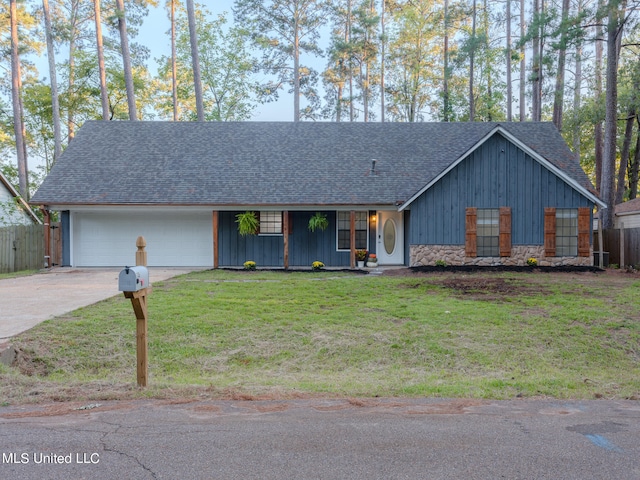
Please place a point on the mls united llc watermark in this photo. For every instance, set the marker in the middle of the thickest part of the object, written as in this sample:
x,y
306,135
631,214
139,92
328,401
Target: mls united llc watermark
x,y
39,458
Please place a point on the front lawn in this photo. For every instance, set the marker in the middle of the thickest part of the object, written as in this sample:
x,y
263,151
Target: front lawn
x,y
276,334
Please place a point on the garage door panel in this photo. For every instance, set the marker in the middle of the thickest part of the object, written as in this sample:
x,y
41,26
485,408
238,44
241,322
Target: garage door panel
x,y
173,239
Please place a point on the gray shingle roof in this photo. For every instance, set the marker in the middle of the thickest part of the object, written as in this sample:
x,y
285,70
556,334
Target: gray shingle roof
x,y
271,163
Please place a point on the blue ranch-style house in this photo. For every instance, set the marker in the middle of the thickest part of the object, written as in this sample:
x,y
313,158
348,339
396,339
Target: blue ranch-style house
x,y
413,194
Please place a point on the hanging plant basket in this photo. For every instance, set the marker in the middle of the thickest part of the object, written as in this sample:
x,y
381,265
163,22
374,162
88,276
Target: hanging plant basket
x,y
247,223
318,222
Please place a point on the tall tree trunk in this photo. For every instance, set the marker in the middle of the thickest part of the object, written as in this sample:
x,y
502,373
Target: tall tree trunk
x,y
17,110
523,65
195,60
488,66
607,191
351,109
445,82
296,72
536,107
174,78
633,174
624,154
472,107
55,103
383,42
126,60
577,98
598,130
73,23
339,102
104,96
508,63
558,98
625,160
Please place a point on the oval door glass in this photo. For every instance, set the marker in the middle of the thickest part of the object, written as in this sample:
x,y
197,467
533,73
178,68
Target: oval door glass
x,y
389,236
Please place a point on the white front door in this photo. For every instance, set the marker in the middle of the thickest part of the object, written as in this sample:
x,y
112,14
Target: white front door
x,y
390,238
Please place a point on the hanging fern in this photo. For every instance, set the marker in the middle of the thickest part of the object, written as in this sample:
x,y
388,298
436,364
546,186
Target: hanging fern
x,y
318,222
247,223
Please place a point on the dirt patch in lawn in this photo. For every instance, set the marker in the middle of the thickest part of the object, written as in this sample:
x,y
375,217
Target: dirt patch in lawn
x,y
489,283
479,288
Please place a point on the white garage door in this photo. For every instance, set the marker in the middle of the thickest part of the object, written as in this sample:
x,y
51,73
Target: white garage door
x,y
174,239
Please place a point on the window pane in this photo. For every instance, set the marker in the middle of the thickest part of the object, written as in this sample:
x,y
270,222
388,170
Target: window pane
x,y
344,230
487,232
566,232
271,222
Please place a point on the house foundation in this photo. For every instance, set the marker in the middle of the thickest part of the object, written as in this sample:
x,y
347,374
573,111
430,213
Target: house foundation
x,y
429,255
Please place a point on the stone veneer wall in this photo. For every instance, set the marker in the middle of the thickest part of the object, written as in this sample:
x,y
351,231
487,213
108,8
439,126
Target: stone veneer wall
x,y
428,255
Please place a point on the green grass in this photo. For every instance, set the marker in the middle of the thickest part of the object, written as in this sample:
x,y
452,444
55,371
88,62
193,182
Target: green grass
x,y
274,334
21,273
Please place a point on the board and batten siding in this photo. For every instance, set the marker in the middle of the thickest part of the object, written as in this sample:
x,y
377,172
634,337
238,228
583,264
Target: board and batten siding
x,y
305,247
497,174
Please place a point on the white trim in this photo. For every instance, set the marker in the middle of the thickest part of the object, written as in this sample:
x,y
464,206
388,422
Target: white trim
x,y
540,159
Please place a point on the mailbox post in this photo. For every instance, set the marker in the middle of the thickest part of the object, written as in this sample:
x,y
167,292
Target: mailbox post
x,y
134,283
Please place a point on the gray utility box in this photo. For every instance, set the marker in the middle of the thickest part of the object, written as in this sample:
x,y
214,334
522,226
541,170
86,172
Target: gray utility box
x,y
132,279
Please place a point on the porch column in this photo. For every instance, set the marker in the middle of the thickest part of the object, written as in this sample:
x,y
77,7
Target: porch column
x,y
285,238
216,229
352,237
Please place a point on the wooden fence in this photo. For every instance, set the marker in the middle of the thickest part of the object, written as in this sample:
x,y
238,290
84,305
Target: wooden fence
x,y
618,246
22,247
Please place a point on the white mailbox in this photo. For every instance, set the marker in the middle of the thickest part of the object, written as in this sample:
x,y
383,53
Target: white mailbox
x,y
132,279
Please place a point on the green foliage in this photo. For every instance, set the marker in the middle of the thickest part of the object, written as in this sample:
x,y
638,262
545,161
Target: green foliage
x,y
318,222
231,90
248,223
283,31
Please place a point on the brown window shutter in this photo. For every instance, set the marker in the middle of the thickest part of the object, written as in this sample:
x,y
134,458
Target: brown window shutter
x,y
471,222
584,231
550,232
505,231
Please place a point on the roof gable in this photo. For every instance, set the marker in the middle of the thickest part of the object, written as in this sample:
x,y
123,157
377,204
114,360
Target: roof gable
x,y
582,185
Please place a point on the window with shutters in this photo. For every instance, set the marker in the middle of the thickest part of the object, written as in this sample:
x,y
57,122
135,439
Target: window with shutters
x,y
488,232
567,232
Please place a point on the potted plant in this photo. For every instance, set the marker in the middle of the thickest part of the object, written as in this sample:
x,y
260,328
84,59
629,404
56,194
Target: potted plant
x,y
247,223
318,222
317,265
249,265
361,254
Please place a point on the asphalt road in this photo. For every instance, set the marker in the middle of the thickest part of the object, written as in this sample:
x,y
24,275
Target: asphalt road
x,y
323,439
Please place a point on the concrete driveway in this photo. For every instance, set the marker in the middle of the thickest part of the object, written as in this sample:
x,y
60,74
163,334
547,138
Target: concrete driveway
x,y
27,301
